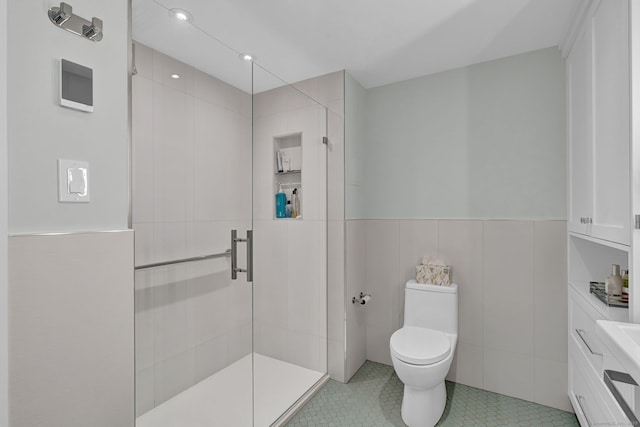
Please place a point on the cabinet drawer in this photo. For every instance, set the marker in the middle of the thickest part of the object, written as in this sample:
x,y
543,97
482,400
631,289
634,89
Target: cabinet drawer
x,y
582,325
586,401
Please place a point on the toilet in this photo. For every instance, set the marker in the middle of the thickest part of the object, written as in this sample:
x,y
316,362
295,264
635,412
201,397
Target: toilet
x,y
422,350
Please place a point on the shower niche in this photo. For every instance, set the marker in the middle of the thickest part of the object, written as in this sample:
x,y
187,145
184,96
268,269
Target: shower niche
x,y
287,156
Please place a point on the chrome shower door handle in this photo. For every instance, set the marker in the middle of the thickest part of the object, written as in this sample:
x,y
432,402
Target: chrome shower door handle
x,y
249,255
234,255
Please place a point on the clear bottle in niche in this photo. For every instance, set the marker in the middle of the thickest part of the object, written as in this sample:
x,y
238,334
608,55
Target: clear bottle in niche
x,y
614,282
288,209
295,204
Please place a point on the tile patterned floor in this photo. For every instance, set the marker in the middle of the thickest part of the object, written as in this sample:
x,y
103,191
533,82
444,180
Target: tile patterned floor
x,y
374,394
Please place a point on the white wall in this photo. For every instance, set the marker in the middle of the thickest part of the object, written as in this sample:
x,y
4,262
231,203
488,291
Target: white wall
x,y
40,131
356,148
4,339
481,142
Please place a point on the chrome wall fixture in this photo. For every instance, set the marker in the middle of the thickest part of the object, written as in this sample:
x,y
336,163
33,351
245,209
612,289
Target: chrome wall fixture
x,y
64,18
361,299
234,255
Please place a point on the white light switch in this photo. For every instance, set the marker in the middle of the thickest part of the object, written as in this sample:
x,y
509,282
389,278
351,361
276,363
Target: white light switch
x,y
77,179
73,181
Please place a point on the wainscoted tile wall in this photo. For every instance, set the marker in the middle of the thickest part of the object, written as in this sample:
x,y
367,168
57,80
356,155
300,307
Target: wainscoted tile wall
x,y
71,336
356,315
512,297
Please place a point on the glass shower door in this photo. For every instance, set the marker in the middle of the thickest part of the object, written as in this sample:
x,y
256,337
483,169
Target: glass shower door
x,y
215,142
191,185
290,243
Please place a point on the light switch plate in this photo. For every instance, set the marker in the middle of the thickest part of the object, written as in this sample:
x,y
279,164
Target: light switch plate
x,y
73,181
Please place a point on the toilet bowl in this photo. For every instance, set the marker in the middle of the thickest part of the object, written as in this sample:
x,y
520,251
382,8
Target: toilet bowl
x,y
422,351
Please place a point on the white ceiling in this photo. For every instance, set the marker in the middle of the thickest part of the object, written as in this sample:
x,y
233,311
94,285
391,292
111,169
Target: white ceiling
x,y
377,41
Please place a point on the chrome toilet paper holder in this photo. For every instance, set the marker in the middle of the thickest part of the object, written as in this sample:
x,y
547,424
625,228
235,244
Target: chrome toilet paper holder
x,y
361,299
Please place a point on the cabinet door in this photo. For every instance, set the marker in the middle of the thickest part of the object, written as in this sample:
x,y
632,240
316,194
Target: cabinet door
x,y
611,111
579,129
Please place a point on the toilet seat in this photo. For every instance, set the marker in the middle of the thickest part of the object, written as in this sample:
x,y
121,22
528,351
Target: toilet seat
x,y
419,346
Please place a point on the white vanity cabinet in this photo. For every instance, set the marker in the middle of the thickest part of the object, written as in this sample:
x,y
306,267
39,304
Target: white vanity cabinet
x,y
591,400
598,109
600,187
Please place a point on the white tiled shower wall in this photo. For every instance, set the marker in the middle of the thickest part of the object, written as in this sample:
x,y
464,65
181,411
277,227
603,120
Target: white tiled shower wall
x,y
512,297
191,186
192,183
290,287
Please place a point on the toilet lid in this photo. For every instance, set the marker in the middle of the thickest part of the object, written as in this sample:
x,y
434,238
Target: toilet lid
x,y
419,346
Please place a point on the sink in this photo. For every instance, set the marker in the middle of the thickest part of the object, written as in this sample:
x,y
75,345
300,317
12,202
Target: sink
x,y
632,331
623,342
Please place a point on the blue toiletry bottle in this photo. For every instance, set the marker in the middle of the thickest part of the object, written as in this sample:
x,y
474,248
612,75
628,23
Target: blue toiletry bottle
x,y
281,205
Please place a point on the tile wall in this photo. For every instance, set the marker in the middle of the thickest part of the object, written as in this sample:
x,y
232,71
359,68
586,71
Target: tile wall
x,y
329,90
70,337
191,186
512,297
346,349
291,270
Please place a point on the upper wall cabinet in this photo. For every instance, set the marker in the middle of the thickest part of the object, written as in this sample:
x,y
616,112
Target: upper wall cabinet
x,y
599,138
579,78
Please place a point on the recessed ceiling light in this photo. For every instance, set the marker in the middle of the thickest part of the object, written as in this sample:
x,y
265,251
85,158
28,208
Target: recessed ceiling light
x,y
247,57
181,15
175,76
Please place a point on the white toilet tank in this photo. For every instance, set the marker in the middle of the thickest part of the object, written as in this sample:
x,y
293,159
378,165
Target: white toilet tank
x,y
431,306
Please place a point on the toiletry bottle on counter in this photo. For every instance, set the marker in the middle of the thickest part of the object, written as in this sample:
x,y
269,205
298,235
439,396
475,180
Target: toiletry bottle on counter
x,y
281,201
625,283
614,282
295,204
288,209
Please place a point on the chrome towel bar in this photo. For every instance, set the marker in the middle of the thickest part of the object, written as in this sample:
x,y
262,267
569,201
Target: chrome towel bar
x,y
180,261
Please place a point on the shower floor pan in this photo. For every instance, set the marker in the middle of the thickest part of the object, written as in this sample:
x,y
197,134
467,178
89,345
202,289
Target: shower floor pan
x,y
224,399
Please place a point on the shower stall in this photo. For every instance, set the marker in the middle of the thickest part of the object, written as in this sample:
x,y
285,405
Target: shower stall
x,y
230,297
